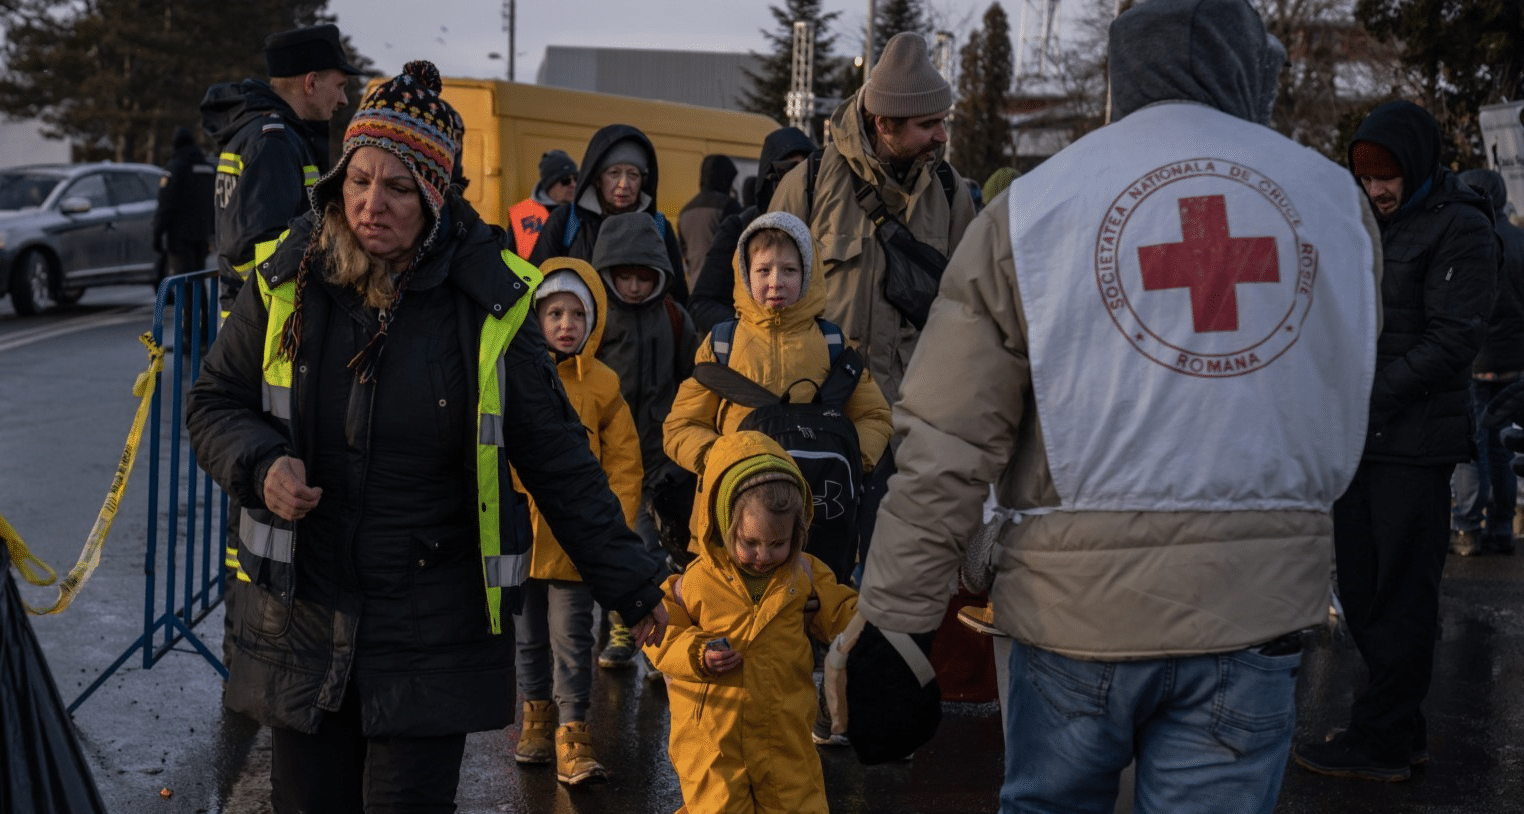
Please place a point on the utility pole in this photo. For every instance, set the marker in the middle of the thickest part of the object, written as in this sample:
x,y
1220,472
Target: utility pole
x,y
510,14
868,48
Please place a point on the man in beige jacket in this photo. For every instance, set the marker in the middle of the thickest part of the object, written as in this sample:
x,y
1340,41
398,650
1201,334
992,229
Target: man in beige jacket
x,y
888,137
1162,359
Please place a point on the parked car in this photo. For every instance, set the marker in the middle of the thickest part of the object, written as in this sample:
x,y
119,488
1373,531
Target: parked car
x,y
68,227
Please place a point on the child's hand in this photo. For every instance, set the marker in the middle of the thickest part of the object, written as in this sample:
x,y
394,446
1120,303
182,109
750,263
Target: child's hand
x,y
721,661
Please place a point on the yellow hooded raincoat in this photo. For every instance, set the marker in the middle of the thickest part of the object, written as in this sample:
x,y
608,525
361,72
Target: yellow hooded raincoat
x,y
593,390
776,349
740,741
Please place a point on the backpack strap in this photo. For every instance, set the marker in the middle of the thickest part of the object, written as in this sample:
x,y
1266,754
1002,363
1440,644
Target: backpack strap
x,y
842,380
732,386
675,317
720,337
573,223
836,340
661,223
949,184
810,173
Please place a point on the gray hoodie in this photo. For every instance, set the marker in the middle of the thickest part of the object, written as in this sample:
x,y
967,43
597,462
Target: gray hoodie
x,y
1222,58
650,344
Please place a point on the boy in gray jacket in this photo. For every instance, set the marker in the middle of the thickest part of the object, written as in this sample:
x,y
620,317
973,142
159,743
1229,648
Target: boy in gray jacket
x,y
650,341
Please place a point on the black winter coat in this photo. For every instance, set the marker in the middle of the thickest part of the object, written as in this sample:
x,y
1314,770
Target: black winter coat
x,y
249,120
185,198
1503,351
1437,289
389,599
553,243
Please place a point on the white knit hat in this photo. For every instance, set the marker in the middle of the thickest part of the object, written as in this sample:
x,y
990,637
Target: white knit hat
x,y
568,281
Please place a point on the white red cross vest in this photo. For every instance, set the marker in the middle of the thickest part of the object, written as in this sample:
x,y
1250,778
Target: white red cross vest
x,y
1201,316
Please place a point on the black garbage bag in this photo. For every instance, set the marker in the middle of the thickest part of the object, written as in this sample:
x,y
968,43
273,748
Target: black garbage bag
x,y
45,771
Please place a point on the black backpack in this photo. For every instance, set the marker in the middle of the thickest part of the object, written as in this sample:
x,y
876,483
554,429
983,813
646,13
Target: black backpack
x,y
818,435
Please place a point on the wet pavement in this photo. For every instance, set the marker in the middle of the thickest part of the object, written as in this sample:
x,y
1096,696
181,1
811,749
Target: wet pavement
x,y
149,730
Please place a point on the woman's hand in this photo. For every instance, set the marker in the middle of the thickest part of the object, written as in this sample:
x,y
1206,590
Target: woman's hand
x,y
652,629
721,661
286,491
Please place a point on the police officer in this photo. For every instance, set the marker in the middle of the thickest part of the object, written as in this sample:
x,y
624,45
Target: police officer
x,y
273,142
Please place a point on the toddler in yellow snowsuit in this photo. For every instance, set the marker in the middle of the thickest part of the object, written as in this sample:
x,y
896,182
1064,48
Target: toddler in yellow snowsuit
x,y
742,708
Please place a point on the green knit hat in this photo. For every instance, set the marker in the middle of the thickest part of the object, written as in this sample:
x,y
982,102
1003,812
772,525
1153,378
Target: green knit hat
x,y
750,472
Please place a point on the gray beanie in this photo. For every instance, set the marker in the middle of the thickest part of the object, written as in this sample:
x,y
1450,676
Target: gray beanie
x,y
904,83
555,165
788,224
625,151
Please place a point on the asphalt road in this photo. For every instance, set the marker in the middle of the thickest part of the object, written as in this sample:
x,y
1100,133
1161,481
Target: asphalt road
x,y
65,406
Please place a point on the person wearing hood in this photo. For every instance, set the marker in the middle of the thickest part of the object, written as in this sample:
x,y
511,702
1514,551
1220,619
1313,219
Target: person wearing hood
x,y
737,654
1485,489
272,139
365,403
650,342
182,225
1161,359
779,344
555,625
1391,528
557,185
703,212
712,299
618,177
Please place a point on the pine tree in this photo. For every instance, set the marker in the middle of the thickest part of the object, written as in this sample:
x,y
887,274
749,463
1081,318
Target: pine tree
x,y
981,137
1458,56
118,76
769,86
895,17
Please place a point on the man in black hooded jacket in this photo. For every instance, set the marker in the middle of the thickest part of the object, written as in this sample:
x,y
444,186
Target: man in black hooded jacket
x,y
713,298
1391,527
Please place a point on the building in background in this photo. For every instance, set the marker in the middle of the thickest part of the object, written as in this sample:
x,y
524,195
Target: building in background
x,y
23,143
705,78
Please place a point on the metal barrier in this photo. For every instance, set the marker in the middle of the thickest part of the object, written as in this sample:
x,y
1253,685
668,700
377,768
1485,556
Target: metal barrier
x,y
193,544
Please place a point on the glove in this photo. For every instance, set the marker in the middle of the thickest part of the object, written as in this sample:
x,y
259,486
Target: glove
x,y
893,702
1505,408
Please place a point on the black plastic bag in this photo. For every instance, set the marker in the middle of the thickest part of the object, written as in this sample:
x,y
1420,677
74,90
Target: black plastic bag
x,y
45,771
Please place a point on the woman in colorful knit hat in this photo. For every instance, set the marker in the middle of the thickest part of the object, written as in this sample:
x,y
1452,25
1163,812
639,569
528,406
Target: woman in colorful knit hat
x,y
364,402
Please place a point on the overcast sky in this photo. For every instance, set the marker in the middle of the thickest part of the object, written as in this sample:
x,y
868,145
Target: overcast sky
x,y
459,35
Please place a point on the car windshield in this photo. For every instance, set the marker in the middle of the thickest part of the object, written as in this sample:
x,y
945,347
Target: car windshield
x,y
25,190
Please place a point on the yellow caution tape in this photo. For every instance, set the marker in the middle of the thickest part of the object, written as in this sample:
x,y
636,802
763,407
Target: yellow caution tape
x,y
90,557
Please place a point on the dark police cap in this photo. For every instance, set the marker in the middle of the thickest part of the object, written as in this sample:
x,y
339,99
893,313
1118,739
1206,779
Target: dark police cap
x,y
304,50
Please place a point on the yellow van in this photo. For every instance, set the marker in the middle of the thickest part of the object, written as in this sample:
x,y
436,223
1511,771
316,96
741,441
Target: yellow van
x,y
509,125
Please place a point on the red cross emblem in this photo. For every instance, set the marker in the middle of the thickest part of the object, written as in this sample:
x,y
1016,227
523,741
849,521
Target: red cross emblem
x,y
1209,262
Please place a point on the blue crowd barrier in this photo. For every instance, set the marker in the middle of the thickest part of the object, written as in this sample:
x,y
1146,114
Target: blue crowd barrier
x,y
194,529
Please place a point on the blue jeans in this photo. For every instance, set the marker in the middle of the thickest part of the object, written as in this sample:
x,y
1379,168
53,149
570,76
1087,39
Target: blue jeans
x,y
1209,733
1485,489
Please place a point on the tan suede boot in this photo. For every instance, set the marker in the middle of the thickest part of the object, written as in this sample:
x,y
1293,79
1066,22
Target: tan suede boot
x,y
575,761
535,741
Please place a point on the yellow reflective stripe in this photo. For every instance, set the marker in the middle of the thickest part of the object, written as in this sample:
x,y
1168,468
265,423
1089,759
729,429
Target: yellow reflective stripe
x,y
497,332
230,163
310,175
280,303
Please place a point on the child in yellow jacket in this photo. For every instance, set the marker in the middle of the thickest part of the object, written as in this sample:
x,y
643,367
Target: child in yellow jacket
x,y
779,343
737,649
554,628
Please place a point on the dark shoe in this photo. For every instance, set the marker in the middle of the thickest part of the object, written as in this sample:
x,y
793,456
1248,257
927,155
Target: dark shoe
x,y
1465,543
1497,545
617,654
1347,756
